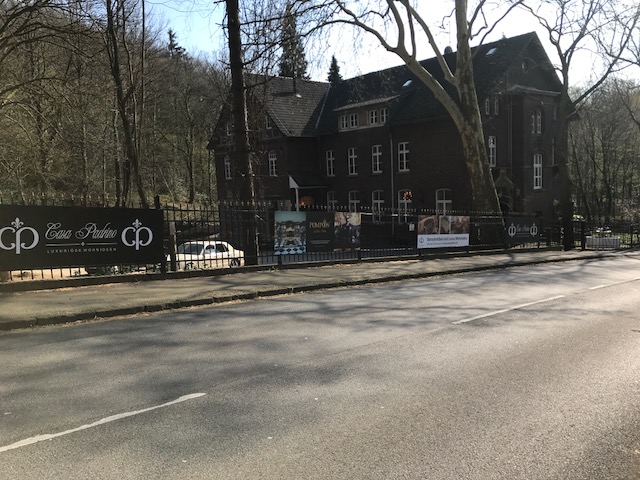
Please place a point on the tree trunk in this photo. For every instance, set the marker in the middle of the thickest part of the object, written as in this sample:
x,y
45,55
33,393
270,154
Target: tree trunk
x,y
483,192
241,131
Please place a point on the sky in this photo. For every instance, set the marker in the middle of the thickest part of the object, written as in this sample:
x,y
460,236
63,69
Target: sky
x,y
197,24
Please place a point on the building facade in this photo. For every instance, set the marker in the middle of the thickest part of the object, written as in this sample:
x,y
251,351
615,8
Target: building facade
x,y
381,142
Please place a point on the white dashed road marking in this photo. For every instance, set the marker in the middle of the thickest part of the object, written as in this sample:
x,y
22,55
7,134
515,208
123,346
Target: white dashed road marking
x,y
112,418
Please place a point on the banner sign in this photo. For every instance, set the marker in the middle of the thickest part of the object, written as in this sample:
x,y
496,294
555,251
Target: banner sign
x,y
522,229
301,232
320,231
443,231
48,237
290,233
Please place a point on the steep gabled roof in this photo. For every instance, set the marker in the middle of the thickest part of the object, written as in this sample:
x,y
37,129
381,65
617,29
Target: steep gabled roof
x,y
304,108
293,105
410,101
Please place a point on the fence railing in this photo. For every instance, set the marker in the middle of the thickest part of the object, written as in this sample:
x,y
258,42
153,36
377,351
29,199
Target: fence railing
x,y
382,234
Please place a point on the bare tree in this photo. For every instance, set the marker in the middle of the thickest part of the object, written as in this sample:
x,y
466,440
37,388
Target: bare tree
x,y
123,31
604,155
573,26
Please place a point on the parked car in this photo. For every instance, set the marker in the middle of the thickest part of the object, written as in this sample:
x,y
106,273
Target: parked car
x,y
214,254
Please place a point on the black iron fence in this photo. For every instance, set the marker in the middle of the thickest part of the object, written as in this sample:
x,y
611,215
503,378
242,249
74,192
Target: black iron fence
x,y
206,238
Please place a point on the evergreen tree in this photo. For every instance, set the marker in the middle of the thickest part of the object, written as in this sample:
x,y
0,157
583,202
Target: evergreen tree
x,y
334,72
293,62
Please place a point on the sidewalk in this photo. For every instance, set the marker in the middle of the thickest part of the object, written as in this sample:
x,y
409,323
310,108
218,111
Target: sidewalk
x,y
45,307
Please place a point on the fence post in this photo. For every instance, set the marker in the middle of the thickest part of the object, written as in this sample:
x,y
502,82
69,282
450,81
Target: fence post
x,y
583,238
172,245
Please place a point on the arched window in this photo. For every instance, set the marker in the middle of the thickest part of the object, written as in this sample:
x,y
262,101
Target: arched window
x,y
537,171
537,121
405,201
273,164
377,203
332,201
354,200
227,168
444,204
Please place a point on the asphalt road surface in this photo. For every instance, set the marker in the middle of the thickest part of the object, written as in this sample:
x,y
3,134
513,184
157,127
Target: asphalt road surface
x,y
526,373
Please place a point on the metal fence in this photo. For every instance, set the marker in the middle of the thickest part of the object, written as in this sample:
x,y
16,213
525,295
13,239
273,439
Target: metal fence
x,y
227,229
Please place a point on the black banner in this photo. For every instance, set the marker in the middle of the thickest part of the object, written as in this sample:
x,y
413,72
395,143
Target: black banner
x,y
320,235
522,229
47,237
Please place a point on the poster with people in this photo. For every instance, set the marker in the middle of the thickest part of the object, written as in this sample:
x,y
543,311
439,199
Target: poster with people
x,y
443,231
347,230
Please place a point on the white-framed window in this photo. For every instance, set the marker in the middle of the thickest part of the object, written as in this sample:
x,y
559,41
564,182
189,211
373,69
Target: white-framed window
x,y
384,115
229,130
537,171
496,105
268,122
403,157
444,203
330,157
374,117
227,168
376,159
536,122
352,159
332,202
377,203
344,122
487,106
405,201
273,163
491,147
354,200
353,120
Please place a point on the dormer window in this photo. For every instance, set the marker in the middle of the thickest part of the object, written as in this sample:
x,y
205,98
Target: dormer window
x,y
407,84
374,117
353,120
344,122
491,51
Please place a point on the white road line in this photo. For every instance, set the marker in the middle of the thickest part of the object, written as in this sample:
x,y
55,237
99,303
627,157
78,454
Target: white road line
x,y
598,287
112,418
510,309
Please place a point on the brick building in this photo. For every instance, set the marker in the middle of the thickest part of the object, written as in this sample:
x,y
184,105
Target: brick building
x,y
382,141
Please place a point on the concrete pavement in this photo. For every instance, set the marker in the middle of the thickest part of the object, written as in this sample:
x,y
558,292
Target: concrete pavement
x,y
22,309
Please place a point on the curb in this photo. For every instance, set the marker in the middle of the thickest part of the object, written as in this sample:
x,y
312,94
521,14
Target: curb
x,y
269,292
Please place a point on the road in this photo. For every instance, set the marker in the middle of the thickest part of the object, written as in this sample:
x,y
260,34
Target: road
x,y
526,373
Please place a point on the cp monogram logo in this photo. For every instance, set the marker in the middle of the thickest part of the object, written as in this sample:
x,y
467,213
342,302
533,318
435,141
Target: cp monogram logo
x,y
136,231
18,231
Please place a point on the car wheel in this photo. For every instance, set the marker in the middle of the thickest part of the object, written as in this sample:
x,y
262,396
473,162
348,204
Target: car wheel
x,y
189,266
234,262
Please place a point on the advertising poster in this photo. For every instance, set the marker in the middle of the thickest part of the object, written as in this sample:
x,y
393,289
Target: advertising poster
x,y
320,236
522,229
290,233
443,231
49,237
347,227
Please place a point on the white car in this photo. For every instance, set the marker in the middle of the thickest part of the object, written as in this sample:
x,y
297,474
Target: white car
x,y
207,254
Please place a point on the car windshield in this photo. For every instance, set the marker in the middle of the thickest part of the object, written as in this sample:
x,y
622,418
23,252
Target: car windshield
x,y
191,248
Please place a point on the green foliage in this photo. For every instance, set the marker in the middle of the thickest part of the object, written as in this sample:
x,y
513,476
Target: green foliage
x,y
292,62
61,133
334,76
